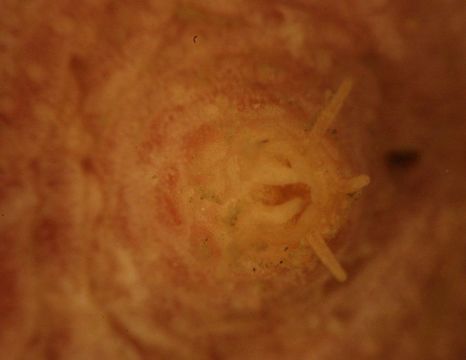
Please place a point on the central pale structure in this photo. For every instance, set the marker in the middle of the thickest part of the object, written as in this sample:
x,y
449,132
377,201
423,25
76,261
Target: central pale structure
x,y
271,188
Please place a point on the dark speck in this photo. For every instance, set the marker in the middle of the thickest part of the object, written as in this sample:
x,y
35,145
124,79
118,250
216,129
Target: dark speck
x,y
88,165
286,248
254,269
195,38
402,159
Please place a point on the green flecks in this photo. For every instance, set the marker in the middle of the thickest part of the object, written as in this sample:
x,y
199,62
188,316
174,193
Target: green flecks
x,y
203,251
232,216
210,196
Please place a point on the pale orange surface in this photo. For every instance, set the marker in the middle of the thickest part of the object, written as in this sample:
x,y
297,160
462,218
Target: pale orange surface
x,y
171,172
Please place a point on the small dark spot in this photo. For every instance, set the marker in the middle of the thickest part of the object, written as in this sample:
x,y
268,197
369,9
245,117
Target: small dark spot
x,y
80,70
333,131
206,239
4,118
195,38
288,163
3,215
88,165
265,141
353,194
254,269
281,261
402,159
343,314
286,248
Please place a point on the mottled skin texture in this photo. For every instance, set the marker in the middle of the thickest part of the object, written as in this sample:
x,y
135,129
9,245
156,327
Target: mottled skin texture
x,y
102,105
